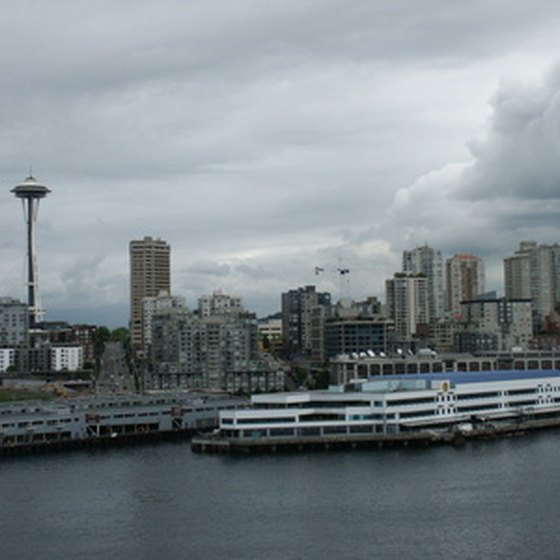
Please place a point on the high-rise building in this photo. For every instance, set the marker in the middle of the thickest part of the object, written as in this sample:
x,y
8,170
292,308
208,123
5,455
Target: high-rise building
x,y
533,272
428,262
150,273
407,304
464,280
297,317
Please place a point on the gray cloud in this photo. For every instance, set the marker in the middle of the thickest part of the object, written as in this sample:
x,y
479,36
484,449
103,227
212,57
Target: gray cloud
x,y
263,139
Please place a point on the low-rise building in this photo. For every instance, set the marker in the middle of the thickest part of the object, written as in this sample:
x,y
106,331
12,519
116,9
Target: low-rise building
x,y
66,358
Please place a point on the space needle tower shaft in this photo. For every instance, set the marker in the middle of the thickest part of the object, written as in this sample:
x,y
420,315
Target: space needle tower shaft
x,y
30,192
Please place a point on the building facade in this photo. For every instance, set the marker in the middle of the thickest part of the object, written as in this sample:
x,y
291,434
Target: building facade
x,y
429,262
218,352
218,303
533,272
14,325
66,358
150,273
152,305
297,318
407,305
464,280
495,324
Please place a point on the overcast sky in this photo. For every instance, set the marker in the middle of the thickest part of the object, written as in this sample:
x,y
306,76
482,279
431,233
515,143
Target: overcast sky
x,y
262,139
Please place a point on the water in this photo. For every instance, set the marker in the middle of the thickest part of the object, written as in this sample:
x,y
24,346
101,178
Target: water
x,y
488,500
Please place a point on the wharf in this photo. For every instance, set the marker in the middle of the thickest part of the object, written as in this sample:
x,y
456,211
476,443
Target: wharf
x,y
36,427
424,438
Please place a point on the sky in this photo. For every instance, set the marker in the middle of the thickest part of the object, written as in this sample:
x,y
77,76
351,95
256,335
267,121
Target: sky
x,y
264,139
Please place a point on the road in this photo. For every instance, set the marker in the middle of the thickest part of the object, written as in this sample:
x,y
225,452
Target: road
x,y
114,375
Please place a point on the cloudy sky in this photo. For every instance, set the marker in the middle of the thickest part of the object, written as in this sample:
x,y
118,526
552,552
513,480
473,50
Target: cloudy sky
x,y
262,139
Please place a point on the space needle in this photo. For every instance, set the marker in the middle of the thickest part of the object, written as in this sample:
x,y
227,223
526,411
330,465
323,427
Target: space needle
x,y
31,192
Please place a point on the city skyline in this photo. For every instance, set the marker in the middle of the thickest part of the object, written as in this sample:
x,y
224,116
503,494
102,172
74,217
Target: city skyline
x,y
262,142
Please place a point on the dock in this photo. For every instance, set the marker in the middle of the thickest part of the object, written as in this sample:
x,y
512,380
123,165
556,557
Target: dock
x,y
425,438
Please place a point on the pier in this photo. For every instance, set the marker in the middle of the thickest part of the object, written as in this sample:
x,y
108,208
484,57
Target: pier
x,y
425,438
36,427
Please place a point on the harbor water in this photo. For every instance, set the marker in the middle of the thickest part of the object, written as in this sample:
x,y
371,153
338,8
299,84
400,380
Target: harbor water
x,y
498,499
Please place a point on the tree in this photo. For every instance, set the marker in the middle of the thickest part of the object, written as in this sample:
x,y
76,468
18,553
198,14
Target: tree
x,y
119,334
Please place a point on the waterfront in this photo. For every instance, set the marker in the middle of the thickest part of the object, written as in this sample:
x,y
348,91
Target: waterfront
x,y
495,499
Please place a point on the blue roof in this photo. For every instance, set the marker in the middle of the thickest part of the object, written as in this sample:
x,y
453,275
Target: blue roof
x,y
460,377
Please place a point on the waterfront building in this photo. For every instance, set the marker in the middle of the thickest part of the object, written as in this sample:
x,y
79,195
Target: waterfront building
x,y
150,273
359,366
429,262
533,272
407,305
297,318
68,422
380,408
14,322
464,280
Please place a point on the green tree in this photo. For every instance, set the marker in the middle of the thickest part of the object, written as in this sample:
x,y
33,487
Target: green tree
x,y
119,334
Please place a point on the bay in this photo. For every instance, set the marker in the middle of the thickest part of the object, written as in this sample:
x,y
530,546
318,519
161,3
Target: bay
x,y
496,500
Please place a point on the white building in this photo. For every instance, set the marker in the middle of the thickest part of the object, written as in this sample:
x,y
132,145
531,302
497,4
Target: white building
x,y
67,358
7,358
390,405
428,262
407,304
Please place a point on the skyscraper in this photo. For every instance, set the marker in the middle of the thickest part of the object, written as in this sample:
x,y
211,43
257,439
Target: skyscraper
x,y
464,280
428,262
150,273
30,192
